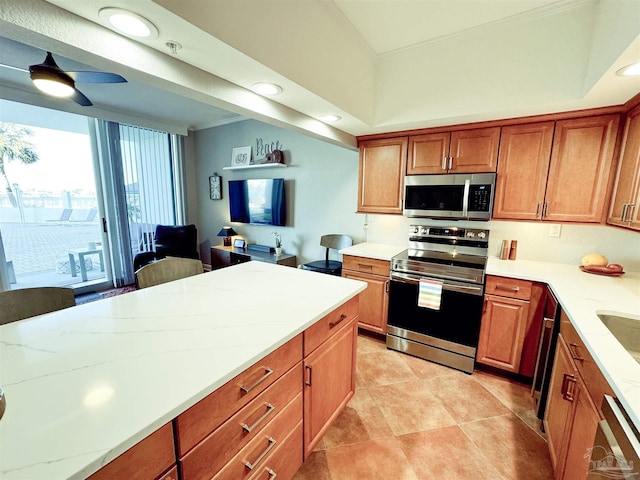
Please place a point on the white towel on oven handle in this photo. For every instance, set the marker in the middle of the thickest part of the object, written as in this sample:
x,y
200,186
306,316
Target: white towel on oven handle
x,y
429,294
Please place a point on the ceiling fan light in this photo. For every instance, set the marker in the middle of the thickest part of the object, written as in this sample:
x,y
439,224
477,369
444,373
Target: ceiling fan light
x,y
330,118
128,23
53,87
632,70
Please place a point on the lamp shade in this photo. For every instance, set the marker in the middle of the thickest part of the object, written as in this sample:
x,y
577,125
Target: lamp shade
x,y
227,233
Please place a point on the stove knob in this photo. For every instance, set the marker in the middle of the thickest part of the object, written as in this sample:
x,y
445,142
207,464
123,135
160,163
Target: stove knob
x,y
471,234
482,235
415,229
424,230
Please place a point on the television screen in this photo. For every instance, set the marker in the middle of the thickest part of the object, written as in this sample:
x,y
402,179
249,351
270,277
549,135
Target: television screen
x,y
257,201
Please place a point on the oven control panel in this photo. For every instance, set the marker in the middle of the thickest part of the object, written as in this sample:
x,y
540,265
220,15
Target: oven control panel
x,y
423,232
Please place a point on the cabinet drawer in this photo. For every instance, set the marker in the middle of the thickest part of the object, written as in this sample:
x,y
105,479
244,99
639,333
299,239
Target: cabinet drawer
x,y
508,287
286,459
595,382
259,451
366,265
149,458
209,413
320,331
217,449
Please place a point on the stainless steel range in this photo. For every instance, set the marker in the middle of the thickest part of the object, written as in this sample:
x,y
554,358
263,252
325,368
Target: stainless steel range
x,y
452,260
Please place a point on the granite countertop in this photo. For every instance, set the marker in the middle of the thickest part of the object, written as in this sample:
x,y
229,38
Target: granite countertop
x,y
581,296
86,383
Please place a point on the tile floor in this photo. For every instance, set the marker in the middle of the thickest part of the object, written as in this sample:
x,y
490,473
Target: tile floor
x,y
412,420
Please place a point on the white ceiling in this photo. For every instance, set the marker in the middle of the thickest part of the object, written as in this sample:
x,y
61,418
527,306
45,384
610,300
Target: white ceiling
x,y
382,65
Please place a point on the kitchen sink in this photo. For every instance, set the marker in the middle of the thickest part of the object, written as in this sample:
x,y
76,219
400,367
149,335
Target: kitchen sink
x,y
626,328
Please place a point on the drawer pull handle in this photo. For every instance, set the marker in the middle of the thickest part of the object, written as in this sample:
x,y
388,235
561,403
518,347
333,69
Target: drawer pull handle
x,y
573,349
333,324
566,380
249,429
307,381
272,474
364,265
508,288
267,372
250,465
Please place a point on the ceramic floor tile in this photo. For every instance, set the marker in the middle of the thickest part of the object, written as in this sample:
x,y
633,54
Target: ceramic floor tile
x,y
375,459
361,420
314,468
410,407
383,368
446,453
464,398
515,450
425,369
369,343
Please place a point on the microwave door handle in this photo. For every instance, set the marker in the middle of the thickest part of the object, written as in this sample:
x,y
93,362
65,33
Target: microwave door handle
x,y
465,198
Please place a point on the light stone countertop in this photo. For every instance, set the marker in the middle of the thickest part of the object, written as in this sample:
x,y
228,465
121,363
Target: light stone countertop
x,y
581,296
86,383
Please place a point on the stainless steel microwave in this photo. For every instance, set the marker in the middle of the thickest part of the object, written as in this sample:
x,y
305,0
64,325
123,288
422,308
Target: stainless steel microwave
x,y
453,196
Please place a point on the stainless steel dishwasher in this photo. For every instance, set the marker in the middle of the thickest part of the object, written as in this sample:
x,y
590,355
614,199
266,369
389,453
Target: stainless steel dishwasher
x,y
616,448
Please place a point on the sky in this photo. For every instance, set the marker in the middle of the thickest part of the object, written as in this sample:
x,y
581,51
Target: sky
x,y
65,163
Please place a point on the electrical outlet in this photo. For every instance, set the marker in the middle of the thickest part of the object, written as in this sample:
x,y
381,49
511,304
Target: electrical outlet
x,y
554,230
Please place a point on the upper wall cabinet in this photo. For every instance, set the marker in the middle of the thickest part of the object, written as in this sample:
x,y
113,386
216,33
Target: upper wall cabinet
x,y
559,176
381,177
580,169
460,151
625,202
523,165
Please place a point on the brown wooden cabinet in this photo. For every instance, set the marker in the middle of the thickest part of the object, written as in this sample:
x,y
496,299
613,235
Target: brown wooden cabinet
x,y
562,181
625,201
458,151
381,175
581,159
374,301
523,166
329,374
572,415
511,324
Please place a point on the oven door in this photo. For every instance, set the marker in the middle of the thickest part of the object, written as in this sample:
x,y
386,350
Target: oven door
x,y
457,320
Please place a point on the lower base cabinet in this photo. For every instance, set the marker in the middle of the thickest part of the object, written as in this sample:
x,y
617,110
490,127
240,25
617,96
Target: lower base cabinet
x,y
262,423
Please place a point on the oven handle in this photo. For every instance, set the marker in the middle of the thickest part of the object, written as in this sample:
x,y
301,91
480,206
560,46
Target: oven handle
x,y
452,287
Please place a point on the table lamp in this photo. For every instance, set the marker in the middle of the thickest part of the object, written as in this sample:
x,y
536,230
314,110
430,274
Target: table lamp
x,y
227,233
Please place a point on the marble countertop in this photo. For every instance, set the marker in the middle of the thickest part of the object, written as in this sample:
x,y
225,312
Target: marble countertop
x,y
373,250
582,296
86,383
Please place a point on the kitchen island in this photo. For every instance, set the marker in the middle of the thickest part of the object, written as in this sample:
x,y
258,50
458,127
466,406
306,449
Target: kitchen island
x,y
85,384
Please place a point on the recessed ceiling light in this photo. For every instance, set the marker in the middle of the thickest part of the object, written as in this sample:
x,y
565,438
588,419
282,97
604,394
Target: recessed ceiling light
x,y
330,118
128,23
630,70
266,88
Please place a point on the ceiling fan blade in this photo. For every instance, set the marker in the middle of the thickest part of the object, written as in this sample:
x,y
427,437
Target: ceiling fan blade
x,y
14,68
96,77
80,98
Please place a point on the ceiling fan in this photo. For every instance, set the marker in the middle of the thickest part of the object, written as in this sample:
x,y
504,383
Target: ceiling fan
x,y
49,78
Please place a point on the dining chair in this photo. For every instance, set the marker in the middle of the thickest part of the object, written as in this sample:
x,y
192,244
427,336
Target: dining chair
x,y
167,270
332,267
29,302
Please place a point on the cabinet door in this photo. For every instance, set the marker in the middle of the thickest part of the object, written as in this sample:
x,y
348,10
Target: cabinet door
x,y
581,160
559,405
220,258
523,165
474,151
374,301
502,332
428,153
584,424
329,383
625,201
381,175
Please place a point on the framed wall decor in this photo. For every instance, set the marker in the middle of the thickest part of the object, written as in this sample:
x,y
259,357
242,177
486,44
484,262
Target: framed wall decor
x,y
215,187
241,156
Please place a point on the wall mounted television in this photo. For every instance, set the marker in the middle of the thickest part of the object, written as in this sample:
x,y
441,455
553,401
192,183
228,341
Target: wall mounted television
x,y
258,201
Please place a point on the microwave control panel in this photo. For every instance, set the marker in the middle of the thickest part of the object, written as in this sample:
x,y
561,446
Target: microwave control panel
x,y
479,198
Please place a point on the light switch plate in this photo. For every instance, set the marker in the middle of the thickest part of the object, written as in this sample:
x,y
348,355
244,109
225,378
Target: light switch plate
x,y
554,230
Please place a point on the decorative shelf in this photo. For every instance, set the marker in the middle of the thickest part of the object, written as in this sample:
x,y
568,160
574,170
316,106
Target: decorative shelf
x,y
261,165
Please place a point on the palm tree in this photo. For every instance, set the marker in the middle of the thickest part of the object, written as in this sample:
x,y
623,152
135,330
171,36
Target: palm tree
x,y
14,145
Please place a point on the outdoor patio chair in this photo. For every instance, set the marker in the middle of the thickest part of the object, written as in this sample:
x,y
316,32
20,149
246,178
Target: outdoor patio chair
x,y
29,302
64,216
167,270
91,215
